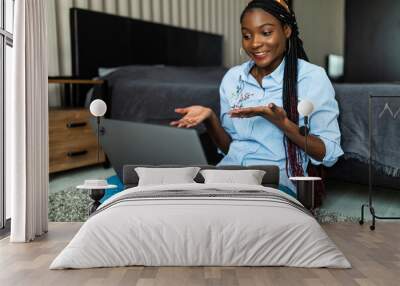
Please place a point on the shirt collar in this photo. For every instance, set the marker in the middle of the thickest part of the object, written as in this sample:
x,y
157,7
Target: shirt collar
x,y
276,75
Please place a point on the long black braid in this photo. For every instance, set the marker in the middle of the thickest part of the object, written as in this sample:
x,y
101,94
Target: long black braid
x,y
294,52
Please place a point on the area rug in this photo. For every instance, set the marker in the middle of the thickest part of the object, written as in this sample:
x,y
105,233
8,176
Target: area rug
x,y
72,205
69,205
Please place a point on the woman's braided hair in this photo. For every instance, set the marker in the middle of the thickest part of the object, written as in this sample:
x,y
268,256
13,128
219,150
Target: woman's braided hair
x,y
280,10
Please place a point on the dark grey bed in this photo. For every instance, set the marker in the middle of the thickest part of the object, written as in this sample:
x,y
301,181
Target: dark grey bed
x,y
150,94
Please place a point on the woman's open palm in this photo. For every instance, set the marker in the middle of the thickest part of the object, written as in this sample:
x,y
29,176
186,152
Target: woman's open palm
x,y
192,116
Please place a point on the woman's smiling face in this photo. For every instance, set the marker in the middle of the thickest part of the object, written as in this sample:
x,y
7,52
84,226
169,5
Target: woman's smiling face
x,y
264,39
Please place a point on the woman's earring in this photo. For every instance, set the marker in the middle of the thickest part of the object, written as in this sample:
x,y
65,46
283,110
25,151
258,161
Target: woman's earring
x,y
288,49
241,51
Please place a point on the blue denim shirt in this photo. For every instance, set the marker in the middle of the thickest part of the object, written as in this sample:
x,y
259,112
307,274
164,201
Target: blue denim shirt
x,y
256,141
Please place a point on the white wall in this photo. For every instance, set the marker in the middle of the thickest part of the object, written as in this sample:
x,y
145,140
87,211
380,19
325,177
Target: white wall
x,y
321,24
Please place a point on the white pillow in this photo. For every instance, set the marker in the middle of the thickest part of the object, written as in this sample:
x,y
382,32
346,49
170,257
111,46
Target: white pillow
x,y
165,176
106,71
248,177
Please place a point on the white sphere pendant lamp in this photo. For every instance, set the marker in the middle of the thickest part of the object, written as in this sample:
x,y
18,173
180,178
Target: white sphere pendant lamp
x,y
98,107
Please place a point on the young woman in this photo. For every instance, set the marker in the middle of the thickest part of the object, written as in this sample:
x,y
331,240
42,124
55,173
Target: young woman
x,y
259,121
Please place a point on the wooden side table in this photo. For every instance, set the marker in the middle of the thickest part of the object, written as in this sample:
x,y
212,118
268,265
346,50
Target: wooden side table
x,y
72,141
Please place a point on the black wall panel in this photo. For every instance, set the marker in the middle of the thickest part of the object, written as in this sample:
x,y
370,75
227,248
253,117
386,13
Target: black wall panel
x,y
96,41
372,44
103,40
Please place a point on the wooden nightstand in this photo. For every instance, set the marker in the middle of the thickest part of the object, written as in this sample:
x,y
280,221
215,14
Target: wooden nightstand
x,y
72,141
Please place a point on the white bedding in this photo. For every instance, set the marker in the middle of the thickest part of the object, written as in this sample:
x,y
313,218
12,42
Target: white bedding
x,y
200,231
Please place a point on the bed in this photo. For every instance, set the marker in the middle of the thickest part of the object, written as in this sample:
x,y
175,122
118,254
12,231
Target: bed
x,y
198,224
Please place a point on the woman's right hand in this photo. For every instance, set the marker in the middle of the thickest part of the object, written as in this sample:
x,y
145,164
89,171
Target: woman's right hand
x,y
192,116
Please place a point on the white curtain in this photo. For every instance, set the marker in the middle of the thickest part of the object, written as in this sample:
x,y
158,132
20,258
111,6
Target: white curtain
x,y
27,124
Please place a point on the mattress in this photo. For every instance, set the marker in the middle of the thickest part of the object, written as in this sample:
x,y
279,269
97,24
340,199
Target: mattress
x,y
201,225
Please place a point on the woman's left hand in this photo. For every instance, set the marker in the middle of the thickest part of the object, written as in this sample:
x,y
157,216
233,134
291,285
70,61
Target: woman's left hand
x,y
271,112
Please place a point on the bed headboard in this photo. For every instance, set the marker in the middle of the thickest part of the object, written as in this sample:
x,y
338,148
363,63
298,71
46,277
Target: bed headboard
x,y
271,178
104,40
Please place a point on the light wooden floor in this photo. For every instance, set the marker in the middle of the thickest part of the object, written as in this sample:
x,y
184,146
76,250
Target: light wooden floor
x,y
375,257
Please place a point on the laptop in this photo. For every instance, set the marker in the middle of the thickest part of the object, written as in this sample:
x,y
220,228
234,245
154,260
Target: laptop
x,y
134,143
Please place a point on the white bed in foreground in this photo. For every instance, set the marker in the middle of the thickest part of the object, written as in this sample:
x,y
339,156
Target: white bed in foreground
x,y
206,230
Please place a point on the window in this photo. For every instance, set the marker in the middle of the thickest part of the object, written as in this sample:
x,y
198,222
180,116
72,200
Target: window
x,y
6,43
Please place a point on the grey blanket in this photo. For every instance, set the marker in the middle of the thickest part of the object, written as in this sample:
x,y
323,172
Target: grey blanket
x,y
151,93
385,119
203,194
